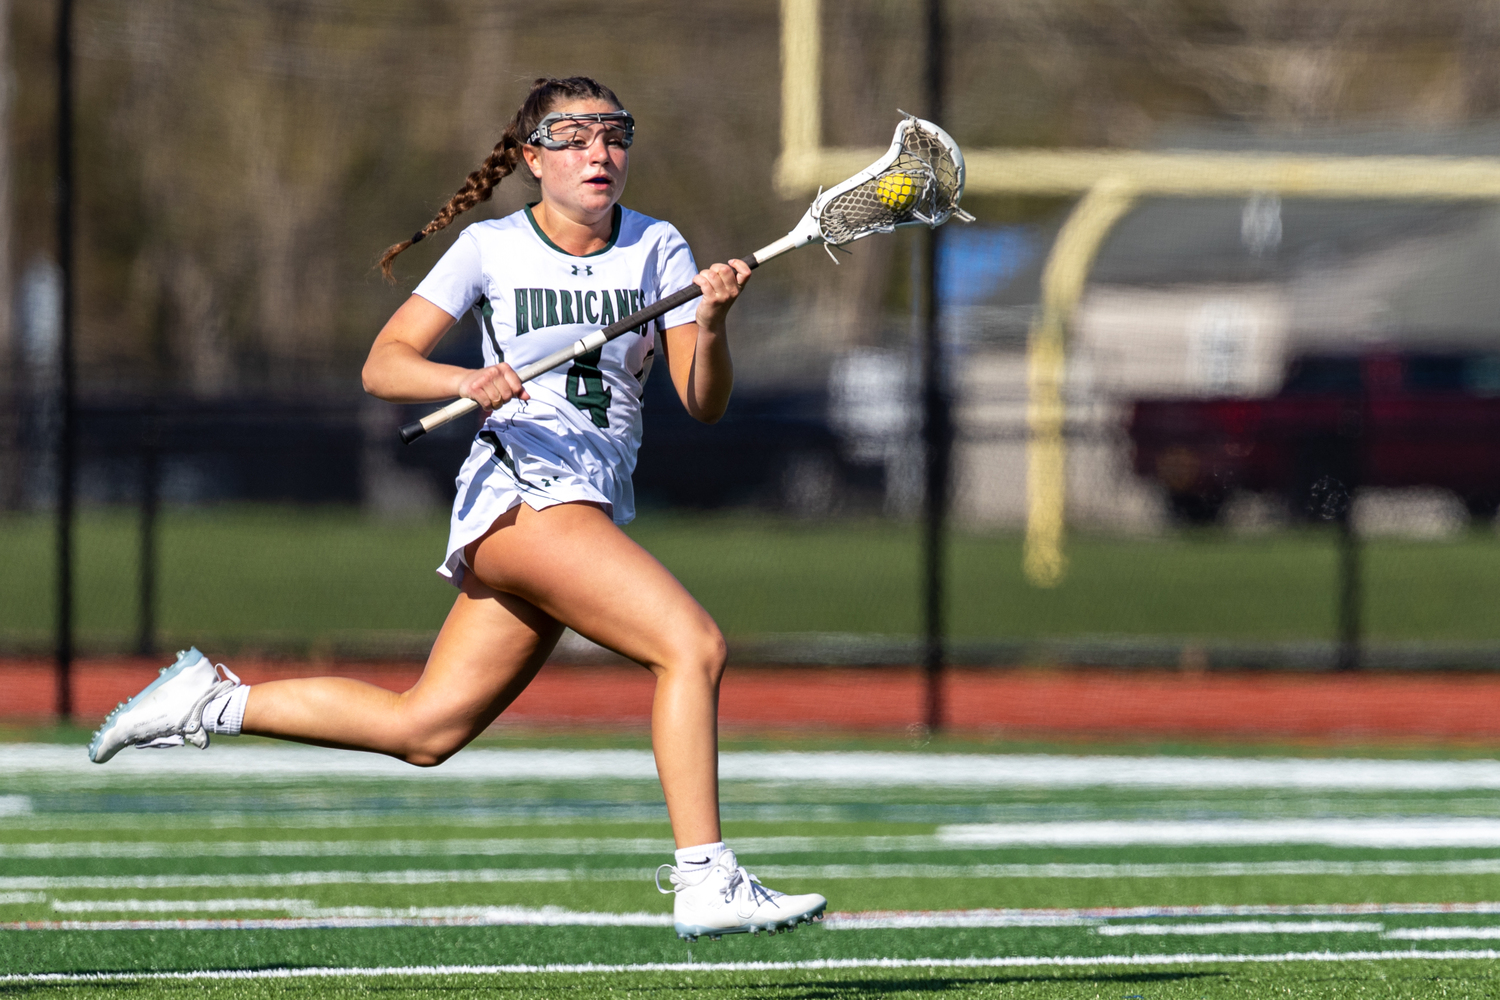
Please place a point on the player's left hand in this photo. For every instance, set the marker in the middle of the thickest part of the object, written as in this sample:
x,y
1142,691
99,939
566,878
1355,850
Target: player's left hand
x,y
721,284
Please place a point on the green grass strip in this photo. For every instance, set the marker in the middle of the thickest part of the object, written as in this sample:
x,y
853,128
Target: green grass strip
x,y
316,579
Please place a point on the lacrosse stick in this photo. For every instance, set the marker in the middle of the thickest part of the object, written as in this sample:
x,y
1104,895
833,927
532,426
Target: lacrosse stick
x,y
918,182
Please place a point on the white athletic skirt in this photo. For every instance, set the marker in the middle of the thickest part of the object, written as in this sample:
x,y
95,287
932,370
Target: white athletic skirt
x,y
539,463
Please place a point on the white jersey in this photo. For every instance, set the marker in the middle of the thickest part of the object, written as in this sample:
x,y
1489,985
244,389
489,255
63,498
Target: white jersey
x,y
577,437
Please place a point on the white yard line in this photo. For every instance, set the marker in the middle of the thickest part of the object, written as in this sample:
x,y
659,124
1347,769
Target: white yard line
x,y
306,909
68,765
929,919
1216,910
310,917
918,920
305,915
179,905
1382,833
483,847
21,898
1244,927
1442,933
45,883
427,876
1206,869
814,965
335,848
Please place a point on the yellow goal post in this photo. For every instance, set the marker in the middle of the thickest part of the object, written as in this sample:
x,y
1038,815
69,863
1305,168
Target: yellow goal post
x,y
1107,183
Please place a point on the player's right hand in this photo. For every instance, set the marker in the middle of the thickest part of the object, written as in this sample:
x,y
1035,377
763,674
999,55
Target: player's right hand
x,y
492,387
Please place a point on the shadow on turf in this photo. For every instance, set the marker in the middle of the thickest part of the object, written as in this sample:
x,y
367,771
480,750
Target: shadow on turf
x,y
853,989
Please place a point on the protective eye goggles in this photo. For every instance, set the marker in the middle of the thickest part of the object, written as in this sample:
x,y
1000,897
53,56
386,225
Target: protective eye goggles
x,y
563,130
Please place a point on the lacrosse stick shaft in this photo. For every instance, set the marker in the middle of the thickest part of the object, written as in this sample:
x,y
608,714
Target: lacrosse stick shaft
x,y
459,407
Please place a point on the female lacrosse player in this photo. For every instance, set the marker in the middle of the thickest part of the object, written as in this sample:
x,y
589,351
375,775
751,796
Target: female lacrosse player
x,y
534,543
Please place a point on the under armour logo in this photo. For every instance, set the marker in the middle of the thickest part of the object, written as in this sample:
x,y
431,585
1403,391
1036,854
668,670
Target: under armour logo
x,y
588,270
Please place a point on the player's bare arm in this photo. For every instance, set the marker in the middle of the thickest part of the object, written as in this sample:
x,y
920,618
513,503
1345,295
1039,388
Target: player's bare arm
x,y
698,353
398,370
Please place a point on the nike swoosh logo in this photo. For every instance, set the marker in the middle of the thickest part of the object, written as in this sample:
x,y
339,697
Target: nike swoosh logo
x,y
702,862
221,713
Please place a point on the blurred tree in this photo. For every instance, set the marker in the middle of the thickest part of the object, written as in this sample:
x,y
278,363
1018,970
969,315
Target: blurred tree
x,y
243,163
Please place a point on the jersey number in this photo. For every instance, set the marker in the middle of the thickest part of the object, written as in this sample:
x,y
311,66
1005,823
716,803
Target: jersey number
x,y
595,397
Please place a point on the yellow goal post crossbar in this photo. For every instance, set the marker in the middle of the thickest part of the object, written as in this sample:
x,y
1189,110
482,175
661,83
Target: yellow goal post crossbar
x,y
1107,183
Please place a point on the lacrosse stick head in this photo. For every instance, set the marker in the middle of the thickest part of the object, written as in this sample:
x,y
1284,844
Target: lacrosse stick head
x,y
918,182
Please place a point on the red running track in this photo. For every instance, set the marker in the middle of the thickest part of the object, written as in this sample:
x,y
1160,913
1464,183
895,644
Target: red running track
x,y
1064,702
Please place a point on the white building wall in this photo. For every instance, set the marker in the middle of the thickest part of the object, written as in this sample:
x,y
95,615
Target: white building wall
x,y
1127,344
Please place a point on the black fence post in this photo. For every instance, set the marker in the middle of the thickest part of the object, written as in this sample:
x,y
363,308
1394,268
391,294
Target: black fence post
x,y
145,634
1350,590
68,430
936,436
1356,421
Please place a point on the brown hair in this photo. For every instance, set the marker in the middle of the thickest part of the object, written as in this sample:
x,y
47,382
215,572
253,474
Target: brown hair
x,y
546,94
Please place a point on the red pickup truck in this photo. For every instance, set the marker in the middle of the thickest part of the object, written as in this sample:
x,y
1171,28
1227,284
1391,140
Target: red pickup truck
x,y
1340,421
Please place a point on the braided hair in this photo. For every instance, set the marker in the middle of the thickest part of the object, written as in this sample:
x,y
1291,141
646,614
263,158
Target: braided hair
x,y
547,93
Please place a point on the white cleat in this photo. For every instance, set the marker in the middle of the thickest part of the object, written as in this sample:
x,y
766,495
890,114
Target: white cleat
x,y
198,739
727,899
168,713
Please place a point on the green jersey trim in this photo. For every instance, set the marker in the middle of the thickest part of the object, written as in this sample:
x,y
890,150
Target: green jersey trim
x,y
614,234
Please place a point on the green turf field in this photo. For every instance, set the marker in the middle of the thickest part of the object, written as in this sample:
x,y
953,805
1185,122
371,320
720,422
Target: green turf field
x,y
257,870
330,580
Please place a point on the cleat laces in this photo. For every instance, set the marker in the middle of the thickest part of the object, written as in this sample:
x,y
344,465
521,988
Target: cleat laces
x,y
758,893
739,880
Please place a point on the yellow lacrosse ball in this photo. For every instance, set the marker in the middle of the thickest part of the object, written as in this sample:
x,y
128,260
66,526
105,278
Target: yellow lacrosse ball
x,y
898,192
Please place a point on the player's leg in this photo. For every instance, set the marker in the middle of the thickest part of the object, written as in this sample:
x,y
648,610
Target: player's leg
x,y
572,562
490,647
